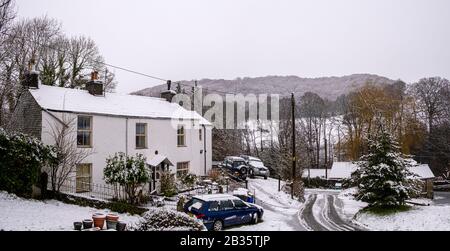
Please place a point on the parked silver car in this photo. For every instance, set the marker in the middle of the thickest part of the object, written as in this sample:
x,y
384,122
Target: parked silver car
x,y
256,167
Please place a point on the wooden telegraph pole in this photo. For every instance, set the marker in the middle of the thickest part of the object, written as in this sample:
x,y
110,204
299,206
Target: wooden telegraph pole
x,y
293,145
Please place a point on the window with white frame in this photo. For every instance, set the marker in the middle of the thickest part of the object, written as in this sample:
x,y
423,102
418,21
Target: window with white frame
x,y
182,169
181,136
84,131
141,135
83,178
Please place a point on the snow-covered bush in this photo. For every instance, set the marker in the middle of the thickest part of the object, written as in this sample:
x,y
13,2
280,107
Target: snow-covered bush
x,y
383,176
188,180
21,160
167,220
127,172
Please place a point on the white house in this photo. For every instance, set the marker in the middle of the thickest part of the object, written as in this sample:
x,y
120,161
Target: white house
x,y
106,123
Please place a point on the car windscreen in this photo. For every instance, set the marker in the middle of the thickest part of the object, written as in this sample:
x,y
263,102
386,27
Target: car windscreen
x,y
256,163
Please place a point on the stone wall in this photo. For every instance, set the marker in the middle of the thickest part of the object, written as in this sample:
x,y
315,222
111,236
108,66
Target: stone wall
x,y
27,116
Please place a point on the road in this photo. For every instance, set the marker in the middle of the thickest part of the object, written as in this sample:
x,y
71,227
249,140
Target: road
x,y
321,210
441,198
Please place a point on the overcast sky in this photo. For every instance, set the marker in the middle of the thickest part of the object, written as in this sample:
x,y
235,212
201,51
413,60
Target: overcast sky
x,y
195,39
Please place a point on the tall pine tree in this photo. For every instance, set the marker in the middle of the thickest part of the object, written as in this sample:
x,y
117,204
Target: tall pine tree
x,y
383,177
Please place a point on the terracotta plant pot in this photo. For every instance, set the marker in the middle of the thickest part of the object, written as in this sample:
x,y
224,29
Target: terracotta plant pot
x,y
77,225
99,220
121,226
87,223
112,217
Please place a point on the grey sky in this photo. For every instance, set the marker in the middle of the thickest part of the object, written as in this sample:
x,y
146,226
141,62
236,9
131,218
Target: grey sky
x,y
184,40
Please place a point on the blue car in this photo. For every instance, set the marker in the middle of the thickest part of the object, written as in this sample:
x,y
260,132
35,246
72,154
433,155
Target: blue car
x,y
222,210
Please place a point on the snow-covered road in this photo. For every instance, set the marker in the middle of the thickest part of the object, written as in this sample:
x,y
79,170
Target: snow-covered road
x,y
320,212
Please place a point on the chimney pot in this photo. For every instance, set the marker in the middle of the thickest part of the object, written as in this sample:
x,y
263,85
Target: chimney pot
x,y
94,75
31,77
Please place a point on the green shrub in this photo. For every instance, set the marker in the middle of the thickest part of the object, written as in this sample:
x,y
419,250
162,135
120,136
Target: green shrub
x,y
168,186
386,210
21,160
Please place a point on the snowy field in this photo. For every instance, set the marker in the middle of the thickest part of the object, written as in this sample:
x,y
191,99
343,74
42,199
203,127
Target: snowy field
x,y
419,218
23,214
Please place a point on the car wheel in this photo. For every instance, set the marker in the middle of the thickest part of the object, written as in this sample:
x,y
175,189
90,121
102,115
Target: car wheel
x,y
265,177
218,225
255,218
244,170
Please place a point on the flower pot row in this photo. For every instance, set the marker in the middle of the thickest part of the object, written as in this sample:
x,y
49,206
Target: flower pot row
x,y
98,222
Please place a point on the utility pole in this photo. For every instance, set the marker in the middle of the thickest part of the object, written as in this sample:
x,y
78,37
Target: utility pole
x,y
293,145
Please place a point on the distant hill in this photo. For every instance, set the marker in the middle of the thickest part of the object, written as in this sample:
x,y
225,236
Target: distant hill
x,y
326,87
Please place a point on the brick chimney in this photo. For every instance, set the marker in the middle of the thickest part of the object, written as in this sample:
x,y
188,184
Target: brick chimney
x,y
95,86
31,77
168,94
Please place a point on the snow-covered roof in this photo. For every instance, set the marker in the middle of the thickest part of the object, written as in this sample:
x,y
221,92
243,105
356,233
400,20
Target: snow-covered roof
x,y
216,197
158,159
423,171
315,173
80,101
342,170
241,191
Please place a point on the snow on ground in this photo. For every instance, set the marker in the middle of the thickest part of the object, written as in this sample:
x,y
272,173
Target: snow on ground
x,y
419,218
272,221
24,214
267,191
280,211
350,205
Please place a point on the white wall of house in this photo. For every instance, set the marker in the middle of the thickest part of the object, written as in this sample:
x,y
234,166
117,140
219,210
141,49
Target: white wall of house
x,y
110,135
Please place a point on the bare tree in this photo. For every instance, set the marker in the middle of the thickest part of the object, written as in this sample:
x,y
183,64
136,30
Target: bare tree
x,y
69,155
83,54
62,61
7,14
429,93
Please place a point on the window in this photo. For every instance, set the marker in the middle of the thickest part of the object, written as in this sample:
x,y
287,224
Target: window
x,y
200,134
238,163
84,131
181,139
239,204
141,135
182,169
226,205
84,178
213,206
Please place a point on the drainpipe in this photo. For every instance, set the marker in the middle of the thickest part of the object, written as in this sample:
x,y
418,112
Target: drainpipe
x,y
126,137
204,147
